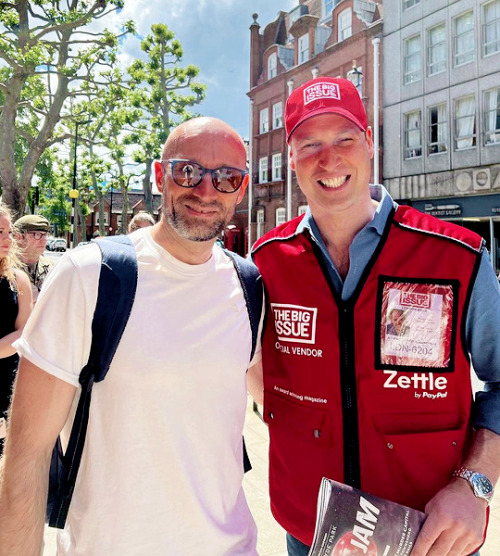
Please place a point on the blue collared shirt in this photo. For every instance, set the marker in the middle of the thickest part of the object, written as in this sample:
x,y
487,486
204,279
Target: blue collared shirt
x,y
483,316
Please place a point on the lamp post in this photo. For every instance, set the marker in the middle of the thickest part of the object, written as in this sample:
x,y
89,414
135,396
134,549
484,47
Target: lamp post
x,y
355,76
289,84
74,194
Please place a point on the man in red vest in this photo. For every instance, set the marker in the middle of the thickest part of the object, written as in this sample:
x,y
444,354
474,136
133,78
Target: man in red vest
x,y
345,396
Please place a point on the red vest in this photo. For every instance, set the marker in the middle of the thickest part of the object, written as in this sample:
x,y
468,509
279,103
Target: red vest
x,y
374,391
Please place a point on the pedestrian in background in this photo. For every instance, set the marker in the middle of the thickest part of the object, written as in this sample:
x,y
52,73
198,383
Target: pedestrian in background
x,y
15,307
31,232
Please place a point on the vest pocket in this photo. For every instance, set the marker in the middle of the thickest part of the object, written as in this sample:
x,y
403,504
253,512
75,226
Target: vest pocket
x,y
416,454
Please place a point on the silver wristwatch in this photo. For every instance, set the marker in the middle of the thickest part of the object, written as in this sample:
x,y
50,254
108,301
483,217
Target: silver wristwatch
x,y
480,484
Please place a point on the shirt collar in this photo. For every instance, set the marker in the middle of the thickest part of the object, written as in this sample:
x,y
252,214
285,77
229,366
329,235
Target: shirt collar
x,y
378,193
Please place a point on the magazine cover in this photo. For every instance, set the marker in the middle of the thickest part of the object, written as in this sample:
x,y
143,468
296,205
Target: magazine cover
x,y
350,522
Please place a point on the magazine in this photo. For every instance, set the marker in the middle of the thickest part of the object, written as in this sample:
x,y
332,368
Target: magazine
x,y
350,522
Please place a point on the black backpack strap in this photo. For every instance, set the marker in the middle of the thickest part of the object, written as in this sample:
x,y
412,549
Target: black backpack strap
x,y
116,293
251,283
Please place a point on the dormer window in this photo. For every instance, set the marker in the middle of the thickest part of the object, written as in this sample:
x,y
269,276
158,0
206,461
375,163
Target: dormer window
x,y
272,66
328,6
303,47
344,24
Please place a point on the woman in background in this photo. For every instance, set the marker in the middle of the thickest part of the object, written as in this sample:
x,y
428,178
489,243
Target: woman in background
x,y
15,307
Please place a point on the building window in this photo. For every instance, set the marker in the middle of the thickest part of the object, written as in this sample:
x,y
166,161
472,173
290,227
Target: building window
x,y
98,218
438,129
260,223
463,41
328,6
272,66
277,167
465,123
344,24
277,115
436,49
263,170
303,48
413,134
280,216
264,120
301,210
407,4
491,27
492,116
412,60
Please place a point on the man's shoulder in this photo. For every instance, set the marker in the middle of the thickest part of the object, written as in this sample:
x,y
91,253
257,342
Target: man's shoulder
x,y
283,232
412,219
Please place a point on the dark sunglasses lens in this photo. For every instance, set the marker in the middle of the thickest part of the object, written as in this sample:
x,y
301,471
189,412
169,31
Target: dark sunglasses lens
x,y
227,180
187,174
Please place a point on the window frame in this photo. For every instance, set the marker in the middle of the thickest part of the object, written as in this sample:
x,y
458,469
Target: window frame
x,y
264,120
407,80
300,51
260,219
341,30
485,24
272,69
281,219
278,120
412,151
432,48
408,4
263,171
276,176
301,209
472,136
437,146
456,37
486,112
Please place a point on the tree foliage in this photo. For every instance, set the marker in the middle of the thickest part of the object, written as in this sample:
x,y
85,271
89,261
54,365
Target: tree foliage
x,y
48,51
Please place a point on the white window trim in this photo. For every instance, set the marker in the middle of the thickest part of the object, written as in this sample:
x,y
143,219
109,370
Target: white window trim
x,y
277,115
264,120
260,220
407,75
344,31
272,65
280,216
276,165
484,26
468,136
471,52
413,148
263,162
408,4
434,68
303,39
301,209
441,126
491,112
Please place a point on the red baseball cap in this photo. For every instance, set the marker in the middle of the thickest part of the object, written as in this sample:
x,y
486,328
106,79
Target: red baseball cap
x,y
324,95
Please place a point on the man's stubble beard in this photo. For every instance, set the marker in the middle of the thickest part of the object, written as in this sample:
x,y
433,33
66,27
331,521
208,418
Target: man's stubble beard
x,y
191,228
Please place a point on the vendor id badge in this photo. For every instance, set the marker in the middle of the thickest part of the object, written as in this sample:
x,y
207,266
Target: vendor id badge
x,y
417,325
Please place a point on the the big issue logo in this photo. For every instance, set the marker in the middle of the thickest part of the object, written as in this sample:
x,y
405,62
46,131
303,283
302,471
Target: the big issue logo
x,y
295,324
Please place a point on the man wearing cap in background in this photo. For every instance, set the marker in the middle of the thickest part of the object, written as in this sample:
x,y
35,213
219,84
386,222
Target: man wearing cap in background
x,y
391,415
31,235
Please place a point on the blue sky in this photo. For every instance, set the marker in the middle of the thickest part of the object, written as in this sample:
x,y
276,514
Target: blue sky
x,y
215,37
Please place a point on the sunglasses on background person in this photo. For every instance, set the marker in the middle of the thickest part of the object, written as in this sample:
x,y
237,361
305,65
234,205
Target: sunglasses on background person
x,y
187,173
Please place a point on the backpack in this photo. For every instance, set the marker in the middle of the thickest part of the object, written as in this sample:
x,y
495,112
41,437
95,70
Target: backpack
x,y
116,293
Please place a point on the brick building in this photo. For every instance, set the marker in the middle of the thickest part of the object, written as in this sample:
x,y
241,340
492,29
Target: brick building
x,y
318,37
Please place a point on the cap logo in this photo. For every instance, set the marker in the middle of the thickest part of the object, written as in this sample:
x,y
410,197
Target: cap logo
x,y
321,90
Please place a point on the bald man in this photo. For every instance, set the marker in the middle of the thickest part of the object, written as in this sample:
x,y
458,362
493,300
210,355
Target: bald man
x,y
162,470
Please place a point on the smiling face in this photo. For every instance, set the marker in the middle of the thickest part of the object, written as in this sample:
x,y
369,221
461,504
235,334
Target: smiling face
x,y
200,213
331,157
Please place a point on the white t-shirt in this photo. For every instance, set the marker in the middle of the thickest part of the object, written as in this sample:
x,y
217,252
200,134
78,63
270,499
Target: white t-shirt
x,y
162,469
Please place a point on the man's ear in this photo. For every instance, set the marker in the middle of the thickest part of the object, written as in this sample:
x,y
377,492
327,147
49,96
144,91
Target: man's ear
x,y
241,192
159,173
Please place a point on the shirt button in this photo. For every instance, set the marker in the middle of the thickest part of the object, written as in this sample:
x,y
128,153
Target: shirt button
x,y
317,433
271,415
390,446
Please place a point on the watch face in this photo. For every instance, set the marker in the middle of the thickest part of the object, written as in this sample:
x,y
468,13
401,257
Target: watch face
x,y
482,486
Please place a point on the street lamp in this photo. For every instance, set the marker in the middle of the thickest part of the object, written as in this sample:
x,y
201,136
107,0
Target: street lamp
x,y
355,76
74,192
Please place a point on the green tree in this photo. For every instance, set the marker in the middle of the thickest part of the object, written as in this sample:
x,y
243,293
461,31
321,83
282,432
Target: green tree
x,y
163,90
48,52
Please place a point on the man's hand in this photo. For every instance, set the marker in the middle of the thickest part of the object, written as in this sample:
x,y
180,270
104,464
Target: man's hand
x,y
455,524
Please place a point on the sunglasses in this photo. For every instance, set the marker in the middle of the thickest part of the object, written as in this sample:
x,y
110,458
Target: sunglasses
x,y
38,235
187,173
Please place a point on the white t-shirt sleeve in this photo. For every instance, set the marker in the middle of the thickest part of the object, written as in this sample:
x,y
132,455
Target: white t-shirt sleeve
x,y
58,334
